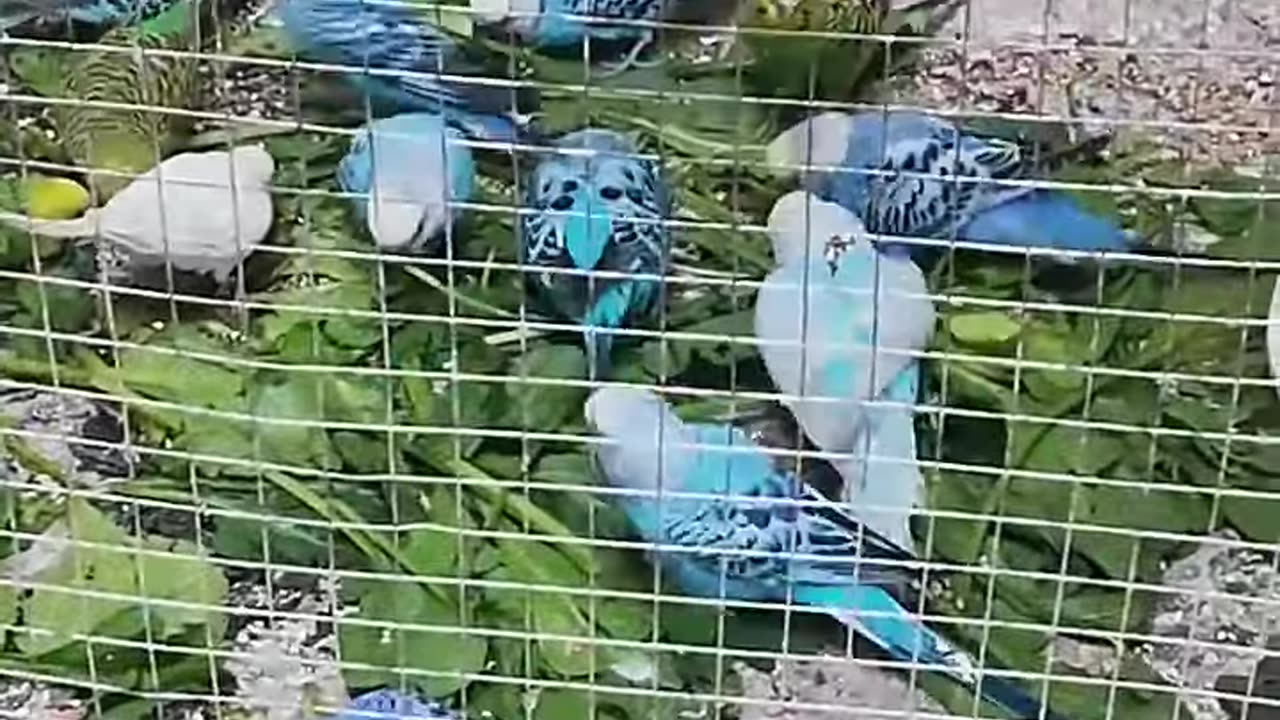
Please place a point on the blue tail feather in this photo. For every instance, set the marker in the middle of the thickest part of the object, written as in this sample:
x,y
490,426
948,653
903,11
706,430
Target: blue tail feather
x,y
874,612
1049,219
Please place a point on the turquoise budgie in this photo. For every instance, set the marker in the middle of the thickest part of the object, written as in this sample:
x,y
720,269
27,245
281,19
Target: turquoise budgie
x,y
596,206
727,523
548,24
407,169
831,345
910,174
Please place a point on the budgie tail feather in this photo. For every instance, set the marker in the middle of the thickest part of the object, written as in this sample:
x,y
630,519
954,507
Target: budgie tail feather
x,y
875,614
1046,219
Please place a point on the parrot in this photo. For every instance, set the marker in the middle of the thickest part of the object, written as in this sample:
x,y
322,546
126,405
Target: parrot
x,y
116,144
727,524
596,206
214,210
388,704
407,169
546,24
831,346
104,14
399,42
859,160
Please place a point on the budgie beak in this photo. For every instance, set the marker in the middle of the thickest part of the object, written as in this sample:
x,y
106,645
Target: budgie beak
x,y
587,235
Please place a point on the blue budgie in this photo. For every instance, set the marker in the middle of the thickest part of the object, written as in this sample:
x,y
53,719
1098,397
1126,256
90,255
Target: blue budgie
x,y
104,14
732,526
395,53
388,704
596,206
878,165
831,345
409,168
548,24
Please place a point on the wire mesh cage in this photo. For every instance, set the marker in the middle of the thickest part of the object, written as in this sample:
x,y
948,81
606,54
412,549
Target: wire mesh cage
x,y
715,359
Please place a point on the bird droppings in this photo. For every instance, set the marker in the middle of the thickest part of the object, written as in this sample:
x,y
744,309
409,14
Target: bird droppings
x,y
82,440
285,667
20,698
860,691
1224,605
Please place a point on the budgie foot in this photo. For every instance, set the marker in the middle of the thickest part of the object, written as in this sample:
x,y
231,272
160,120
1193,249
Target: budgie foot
x,y
631,60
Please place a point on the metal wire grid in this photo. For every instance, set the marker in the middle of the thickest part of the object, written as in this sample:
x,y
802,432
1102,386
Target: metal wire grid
x,y
520,327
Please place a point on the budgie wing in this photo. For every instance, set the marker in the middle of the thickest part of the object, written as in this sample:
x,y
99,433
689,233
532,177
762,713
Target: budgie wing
x,y
930,177
775,528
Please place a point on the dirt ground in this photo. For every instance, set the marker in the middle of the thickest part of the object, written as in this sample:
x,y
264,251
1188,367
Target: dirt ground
x,y
1199,74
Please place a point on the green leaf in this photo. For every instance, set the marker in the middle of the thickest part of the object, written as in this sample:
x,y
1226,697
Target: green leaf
x,y
441,655
555,614
558,704
74,572
186,576
565,469
296,399
983,328
432,552
665,358
176,378
56,613
1254,517
541,406
363,452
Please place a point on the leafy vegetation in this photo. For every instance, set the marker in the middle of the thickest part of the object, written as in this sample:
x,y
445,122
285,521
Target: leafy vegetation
x,y
385,418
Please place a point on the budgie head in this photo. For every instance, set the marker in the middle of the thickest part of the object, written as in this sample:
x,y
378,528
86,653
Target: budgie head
x,y
642,436
804,227
821,141
410,166
595,182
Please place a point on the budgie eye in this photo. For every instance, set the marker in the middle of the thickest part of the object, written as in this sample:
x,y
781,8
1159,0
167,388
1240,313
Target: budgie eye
x,y
610,193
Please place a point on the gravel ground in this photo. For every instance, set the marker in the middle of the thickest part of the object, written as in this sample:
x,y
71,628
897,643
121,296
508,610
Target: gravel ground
x,y
829,681
1134,66
1224,614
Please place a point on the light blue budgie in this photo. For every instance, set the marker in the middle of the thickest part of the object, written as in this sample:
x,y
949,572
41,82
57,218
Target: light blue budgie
x,y
102,14
388,704
910,174
407,170
764,536
395,53
831,344
596,206
549,24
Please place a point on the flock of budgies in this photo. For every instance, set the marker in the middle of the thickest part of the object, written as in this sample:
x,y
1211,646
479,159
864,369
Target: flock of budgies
x,y
841,320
